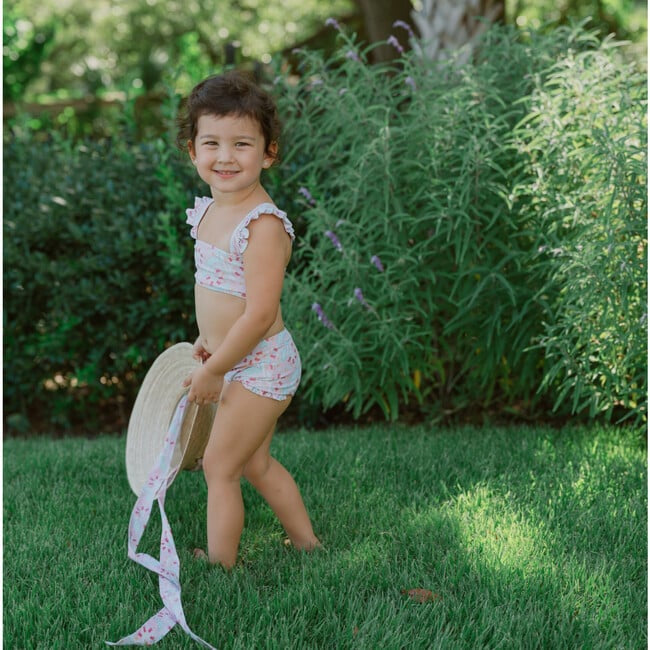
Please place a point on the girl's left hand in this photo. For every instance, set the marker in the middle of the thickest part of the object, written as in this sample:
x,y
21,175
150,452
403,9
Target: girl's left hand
x,y
204,385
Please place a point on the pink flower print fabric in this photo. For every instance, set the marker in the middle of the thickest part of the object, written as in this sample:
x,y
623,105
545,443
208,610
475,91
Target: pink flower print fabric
x,y
168,566
219,270
272,369
223,270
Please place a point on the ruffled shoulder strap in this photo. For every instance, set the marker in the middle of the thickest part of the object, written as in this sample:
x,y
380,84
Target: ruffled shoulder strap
x,y
195,214
239,239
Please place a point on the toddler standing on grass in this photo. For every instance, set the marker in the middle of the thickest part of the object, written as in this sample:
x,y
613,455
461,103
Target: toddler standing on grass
x,y
251,366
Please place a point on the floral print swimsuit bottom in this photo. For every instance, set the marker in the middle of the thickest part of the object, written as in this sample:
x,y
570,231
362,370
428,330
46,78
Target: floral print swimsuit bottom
x,y
272,369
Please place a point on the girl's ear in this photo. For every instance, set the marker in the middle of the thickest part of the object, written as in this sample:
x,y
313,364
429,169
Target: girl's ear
x,y
271,155
191,151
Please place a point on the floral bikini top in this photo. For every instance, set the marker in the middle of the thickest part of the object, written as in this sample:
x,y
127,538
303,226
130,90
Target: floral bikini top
x,y
222,270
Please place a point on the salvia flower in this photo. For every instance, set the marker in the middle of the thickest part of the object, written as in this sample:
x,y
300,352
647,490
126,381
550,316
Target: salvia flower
x,y
332,22
334,239
358,294
306,193
352,55
321,316
406,26
409,81
377,262
392,40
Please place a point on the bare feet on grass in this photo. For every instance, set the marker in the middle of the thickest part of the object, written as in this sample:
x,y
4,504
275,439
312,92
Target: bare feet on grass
x,y
309,545
200,554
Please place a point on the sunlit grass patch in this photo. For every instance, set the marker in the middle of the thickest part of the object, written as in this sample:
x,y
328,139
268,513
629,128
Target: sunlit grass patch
x,y
495,532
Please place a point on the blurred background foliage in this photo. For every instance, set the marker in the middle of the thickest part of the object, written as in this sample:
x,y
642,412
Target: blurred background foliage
x,y
129,47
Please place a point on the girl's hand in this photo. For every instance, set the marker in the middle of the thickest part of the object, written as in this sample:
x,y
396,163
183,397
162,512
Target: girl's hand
x,y
199,352
205,386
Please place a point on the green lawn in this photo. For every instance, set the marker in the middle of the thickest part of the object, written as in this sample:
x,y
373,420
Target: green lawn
x,y
525,537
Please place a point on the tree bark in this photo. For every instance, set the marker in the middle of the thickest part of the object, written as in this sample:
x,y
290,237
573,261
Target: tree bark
x,y
448,26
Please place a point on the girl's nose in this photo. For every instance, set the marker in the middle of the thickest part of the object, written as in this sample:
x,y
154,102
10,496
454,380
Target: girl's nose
x,y
225,154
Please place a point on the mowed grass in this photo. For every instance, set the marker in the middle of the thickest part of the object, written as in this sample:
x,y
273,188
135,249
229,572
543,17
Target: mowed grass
x,y
524,537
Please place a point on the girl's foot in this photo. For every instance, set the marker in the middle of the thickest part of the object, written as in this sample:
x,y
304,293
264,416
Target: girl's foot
x,y
311,545
200,554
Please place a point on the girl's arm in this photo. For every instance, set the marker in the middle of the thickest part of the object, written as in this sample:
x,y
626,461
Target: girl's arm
x,y
264,265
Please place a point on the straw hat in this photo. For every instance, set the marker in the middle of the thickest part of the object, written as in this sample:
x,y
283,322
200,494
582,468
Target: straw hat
x,y
160,393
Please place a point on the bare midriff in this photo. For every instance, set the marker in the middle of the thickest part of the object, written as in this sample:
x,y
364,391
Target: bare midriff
x,y
217,312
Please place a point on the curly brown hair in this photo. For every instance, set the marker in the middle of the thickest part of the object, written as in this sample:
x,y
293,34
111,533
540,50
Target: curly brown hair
x,y
231,93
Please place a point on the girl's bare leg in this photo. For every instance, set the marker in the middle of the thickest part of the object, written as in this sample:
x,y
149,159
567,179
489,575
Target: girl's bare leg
x,y
280,491
244,422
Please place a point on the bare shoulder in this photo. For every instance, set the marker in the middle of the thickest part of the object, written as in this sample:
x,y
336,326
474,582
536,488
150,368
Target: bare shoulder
x,y
269,231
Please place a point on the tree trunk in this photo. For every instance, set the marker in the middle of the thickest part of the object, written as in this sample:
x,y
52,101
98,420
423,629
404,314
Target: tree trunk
x,y
379,16
448,26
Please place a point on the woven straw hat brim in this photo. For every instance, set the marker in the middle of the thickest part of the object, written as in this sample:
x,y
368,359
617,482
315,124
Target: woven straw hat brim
x,y
158,397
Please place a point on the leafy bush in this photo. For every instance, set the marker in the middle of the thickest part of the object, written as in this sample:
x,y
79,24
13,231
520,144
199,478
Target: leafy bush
x,y
585,140
418,279
92,277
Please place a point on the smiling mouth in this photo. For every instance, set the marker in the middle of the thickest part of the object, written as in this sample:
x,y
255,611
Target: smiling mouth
x,y
225,172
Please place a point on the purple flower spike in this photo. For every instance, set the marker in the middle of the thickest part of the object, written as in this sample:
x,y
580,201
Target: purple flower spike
x,y
377,262
352,55
410,82
359,296
406,26
392,40
332,22
321,316
334,239
305,192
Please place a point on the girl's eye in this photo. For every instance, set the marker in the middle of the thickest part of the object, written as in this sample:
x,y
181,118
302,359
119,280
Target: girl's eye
x,y
242,144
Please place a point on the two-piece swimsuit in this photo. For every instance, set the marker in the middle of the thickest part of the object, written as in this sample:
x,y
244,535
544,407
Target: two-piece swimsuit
x,y
272,369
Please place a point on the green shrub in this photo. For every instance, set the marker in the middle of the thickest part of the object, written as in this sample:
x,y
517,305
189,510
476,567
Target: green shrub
x,y
417,166
585,140
92,285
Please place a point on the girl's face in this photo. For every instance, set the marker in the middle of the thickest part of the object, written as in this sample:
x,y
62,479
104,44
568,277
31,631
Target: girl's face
x,y
229,153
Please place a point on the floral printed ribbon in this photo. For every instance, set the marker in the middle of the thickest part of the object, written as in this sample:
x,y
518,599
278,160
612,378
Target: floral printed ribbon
x,y
168,568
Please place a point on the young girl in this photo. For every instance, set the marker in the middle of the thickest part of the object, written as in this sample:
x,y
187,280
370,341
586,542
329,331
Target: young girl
x,y
250,363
